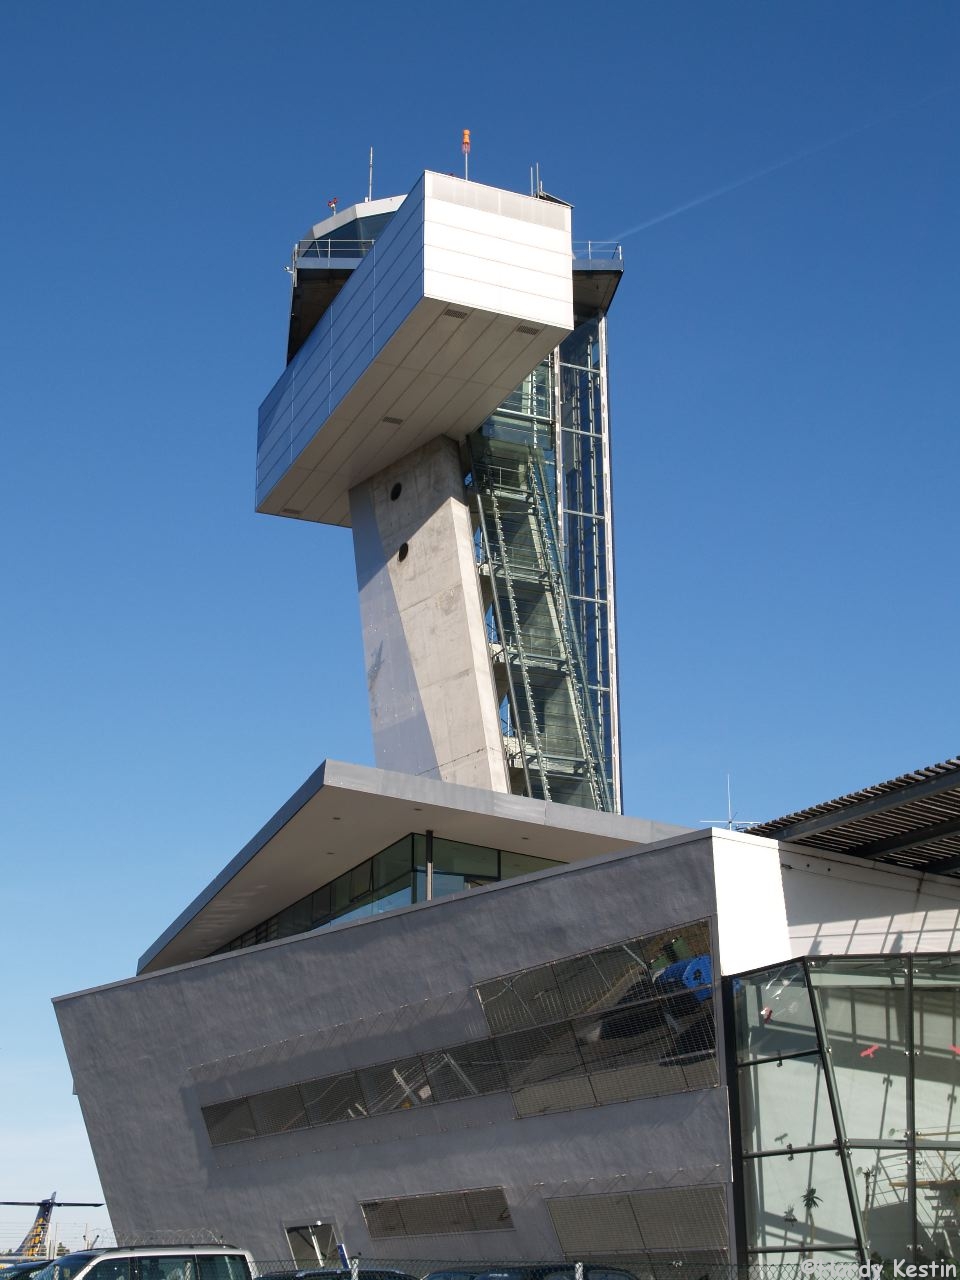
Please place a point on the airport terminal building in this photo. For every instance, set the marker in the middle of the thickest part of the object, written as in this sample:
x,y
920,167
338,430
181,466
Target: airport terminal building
x,y
458,1006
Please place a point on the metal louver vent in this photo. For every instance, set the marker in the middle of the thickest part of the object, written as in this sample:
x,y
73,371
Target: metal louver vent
x,y
530,330
394,422
456,314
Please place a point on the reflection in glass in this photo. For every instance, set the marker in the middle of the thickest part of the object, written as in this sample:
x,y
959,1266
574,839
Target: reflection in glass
x,y
521,864
773,1014
333,1098
540,1053
892,1027
395,1086
602,979
472,860
936,1032
785,1104
673,945
864,1011
883,1191
394,877
798,1201
938,1201
525,999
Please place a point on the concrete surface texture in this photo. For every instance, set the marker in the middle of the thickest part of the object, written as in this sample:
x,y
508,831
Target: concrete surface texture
x,y
433,706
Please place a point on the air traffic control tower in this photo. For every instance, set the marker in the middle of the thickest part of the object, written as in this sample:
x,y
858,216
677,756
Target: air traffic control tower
x,y
445,397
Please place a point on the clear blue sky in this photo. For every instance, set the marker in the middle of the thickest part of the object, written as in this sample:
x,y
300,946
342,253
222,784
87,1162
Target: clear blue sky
x,y
784,393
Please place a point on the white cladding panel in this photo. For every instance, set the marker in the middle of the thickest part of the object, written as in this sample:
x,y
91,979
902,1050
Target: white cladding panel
x,y
497,260
846,906
777,900
388,368
751,914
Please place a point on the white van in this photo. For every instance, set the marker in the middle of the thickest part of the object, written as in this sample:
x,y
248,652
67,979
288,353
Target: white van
x,y
148,1262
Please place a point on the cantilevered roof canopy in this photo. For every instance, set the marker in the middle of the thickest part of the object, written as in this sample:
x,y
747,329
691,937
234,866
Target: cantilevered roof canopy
x,y
911,821
344,814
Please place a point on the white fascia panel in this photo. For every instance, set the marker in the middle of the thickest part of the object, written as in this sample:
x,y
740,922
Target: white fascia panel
x,y
553,234
551,259
751,912
498,290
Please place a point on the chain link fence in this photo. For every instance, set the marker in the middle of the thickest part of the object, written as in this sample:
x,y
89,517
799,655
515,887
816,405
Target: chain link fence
x,y
620,1267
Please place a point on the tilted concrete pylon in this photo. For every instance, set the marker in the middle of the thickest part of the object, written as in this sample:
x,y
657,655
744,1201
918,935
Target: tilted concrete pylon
x,y
403,343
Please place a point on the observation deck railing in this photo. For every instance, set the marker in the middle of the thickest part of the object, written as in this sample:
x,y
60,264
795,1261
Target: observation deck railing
x,y
598,250
331,248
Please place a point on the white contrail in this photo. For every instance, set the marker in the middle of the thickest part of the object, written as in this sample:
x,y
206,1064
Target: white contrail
x,y
797,156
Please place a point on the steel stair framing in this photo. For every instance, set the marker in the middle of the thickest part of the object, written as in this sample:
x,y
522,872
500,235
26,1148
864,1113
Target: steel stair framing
x,y
559,744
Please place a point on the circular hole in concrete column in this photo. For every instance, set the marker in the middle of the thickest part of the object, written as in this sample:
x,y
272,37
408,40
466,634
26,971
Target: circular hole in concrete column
x,y
396,491
404,551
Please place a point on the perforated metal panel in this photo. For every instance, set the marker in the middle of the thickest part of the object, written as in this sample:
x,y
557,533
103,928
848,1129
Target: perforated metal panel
x,y
395,1086
645,1027
675,1220
682,1218
383,1219
597,980
335,1098
465,1071
554,1095
229,1121
526,999
449,1213
595,1224
542,1053
278,1111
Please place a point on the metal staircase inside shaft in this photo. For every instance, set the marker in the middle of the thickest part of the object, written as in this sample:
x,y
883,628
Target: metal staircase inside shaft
x,y
551,740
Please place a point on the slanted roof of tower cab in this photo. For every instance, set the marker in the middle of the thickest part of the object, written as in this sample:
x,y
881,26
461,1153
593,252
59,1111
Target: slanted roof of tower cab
x,y
911,821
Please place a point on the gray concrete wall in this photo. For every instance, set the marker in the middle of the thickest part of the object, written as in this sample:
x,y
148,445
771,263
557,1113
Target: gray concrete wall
x,y
147,1053
433,706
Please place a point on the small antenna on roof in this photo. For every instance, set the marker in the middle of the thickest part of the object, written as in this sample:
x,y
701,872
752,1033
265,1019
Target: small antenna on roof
x,y
465,147
731,822
370,181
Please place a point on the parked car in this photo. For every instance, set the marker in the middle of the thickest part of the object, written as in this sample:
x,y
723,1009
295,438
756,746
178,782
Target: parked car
x,y
167,1262
334,1273
67,1267
559,1271
538,1271
25,1267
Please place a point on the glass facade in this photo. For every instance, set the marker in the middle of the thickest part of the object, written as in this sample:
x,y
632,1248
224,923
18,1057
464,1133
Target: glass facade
x,y
394,877
540,482
848,1084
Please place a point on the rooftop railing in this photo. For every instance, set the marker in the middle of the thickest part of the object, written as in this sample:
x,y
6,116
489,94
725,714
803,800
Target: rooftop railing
x,y
598,250
331,248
